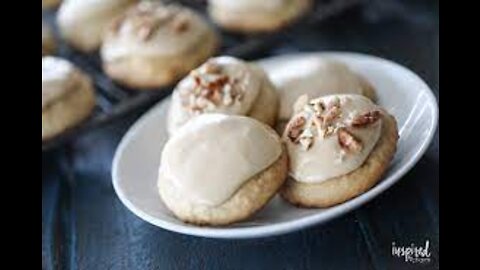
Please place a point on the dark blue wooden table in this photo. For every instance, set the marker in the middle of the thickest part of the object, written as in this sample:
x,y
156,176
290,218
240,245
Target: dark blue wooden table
x,y
85,226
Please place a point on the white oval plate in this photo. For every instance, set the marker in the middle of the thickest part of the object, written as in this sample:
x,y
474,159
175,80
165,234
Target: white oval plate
x,y
399,90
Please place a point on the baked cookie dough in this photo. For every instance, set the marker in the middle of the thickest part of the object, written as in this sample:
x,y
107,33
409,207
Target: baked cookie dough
x,y
154,45
256,16
339,146
48,41
83,23
67,96
250,167
223,85
315,77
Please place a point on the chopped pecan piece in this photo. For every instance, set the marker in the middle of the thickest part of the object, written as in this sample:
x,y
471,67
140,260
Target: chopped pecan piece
x,y
295,128
216,97
319,107
318,122
366,119
205,93
217,83
197,80
348,142
329,130
330,115
334,103
212,68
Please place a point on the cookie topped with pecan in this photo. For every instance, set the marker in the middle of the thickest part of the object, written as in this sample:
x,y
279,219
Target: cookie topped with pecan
x,y
219,84
148,17
222,85
331,136
155,44
154,28
316,76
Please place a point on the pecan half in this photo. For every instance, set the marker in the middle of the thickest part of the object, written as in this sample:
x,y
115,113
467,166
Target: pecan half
x,y
366,119
348,142
295,128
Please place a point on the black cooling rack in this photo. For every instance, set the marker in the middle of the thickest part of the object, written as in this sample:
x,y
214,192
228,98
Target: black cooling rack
x,y
114,101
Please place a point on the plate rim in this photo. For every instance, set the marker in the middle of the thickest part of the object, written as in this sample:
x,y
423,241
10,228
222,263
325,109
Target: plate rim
x,y
291,225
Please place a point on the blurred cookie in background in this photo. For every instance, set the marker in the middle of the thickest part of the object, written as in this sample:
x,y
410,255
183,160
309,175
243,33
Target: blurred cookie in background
x,y
248,16
154,45
83,23
67,96
49,4
48,41
315,77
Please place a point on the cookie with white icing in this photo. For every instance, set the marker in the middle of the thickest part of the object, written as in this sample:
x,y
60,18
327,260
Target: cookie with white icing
x,y
315,77
250,166
339,146
48,41
223,85
82,23
67,96
256,16
154,45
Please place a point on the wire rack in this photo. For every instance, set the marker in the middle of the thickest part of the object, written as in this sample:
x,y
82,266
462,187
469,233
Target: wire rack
x,y
115,101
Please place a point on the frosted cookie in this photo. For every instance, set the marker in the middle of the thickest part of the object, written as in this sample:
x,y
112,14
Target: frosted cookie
x,y
67,96
82,23
256,16
339,146
315,77
48,41
154,45
223,85
250,167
